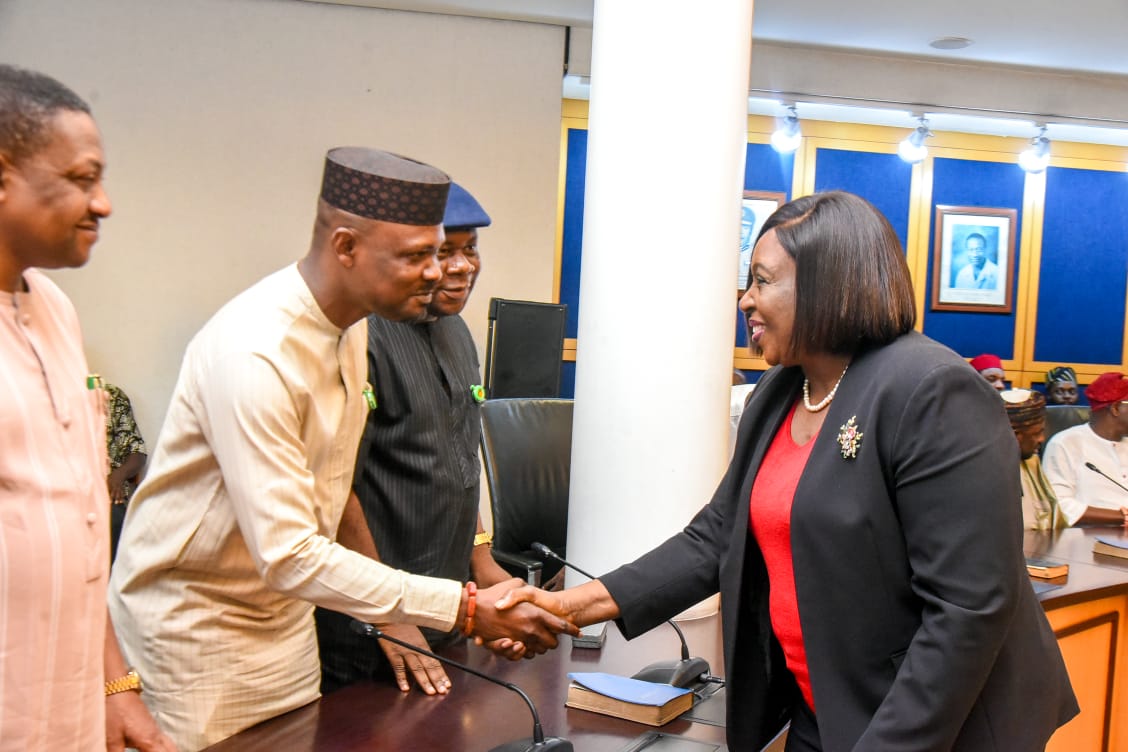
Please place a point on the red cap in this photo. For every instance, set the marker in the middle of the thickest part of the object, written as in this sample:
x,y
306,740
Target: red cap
x,y
1108,388
985,361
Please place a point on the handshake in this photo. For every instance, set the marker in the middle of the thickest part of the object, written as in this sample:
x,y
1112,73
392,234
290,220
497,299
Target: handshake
x,y
514,620
511,619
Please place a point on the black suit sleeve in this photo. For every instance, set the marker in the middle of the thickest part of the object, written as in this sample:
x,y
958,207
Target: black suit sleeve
x,y
678,573
956,489
686,568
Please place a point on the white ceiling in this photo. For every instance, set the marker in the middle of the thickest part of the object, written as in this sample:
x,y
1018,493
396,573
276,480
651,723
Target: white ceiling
x,y
1086,38
1083,35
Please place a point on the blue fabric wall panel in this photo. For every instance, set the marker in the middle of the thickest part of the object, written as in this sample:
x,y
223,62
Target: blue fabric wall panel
x,y
963,182
568,379
1084,267
573,235
885,180
765,169
751,377
741,329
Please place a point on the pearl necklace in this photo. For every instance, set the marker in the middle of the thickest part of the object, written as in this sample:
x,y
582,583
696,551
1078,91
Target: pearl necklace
x,y
825,400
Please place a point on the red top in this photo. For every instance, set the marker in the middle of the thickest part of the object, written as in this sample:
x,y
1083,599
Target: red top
x,y
770,522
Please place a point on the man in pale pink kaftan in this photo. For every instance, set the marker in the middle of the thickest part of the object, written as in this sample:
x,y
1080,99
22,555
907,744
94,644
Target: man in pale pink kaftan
x,y
59,659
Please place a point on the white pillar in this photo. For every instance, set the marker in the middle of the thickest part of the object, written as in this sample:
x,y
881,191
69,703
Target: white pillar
x,y
658,283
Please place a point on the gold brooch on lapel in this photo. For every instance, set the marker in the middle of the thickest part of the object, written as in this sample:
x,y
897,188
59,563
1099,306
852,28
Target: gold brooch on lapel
x,y
850,438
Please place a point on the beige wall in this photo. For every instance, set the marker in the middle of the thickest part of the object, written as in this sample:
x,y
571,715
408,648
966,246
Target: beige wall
x,y
216,115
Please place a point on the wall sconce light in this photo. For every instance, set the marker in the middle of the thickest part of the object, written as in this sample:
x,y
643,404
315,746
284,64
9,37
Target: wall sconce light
x,y
912,149
787,137
1037,157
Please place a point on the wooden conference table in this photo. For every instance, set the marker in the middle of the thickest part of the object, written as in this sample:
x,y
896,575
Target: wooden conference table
x,y
1088,610
1089,616
478,716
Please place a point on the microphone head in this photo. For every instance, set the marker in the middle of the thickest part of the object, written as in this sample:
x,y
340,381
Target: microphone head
x,y
683,673
1092,467
543,550
361,628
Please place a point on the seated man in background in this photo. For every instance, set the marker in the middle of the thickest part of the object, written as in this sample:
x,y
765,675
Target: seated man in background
x,y
1027,413
1061,386
127,458
1085,495
417,474
990,368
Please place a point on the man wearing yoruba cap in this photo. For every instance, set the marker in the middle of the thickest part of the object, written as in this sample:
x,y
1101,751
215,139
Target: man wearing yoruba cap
x,y
417,472
1026,410
1097,496
246,519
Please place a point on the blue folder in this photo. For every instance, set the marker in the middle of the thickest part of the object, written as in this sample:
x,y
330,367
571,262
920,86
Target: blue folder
x,y
628,690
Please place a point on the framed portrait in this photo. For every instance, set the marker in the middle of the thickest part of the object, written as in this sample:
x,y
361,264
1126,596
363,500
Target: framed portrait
x,y
973,265
755,209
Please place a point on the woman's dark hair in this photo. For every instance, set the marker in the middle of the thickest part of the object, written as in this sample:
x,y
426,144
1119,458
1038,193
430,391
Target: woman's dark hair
x,y
852,284
28,102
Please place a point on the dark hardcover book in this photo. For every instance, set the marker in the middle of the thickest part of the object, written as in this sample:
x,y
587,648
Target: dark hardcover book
x,y
1045,568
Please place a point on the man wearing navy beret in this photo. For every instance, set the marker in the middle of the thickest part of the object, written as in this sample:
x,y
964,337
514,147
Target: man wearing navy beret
x,y
417,472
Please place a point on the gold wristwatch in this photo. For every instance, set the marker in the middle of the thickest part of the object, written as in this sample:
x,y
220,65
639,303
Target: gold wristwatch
x,y
483,537
131,681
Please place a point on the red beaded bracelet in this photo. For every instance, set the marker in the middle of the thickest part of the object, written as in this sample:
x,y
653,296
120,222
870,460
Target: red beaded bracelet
x,y
471,607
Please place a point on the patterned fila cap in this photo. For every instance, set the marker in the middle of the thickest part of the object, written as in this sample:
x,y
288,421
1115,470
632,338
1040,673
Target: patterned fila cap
x,y
384,186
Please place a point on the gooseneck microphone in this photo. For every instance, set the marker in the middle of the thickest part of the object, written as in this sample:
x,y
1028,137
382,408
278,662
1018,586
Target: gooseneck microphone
x,y
680,673
538,743
1102,473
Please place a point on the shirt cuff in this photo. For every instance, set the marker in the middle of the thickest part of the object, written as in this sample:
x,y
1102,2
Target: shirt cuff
x,y
432,602
1071,510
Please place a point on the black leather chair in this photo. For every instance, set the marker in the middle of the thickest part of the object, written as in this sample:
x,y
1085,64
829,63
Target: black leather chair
x,y
527,449
1061,417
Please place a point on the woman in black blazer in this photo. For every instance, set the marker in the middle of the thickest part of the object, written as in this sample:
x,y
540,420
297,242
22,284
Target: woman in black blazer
x,y
867,537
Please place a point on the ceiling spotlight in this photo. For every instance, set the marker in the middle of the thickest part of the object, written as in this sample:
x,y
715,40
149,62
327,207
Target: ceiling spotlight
x,y
787,137
1036,158
912,149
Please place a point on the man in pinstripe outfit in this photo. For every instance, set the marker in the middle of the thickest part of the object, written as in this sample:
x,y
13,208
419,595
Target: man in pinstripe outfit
x,y
417,473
